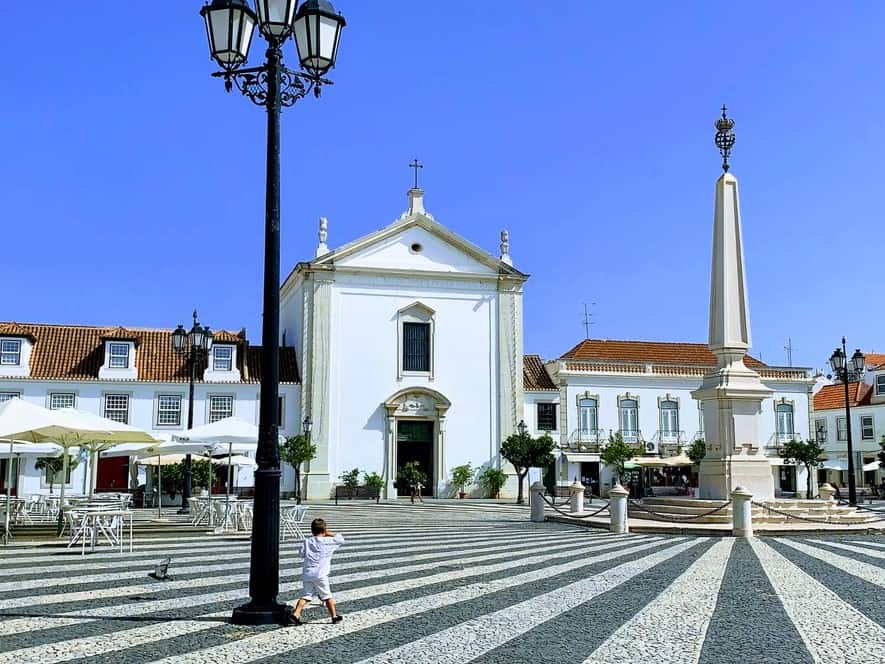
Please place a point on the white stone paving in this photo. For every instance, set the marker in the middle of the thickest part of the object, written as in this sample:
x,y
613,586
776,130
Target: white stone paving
x,y
833,630
81,608
676,621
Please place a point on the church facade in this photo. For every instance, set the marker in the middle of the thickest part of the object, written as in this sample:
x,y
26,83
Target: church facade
x,y
410,344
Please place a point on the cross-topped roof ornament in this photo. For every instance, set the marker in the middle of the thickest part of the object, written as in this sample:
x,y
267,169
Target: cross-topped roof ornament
x,y
724,137
416,165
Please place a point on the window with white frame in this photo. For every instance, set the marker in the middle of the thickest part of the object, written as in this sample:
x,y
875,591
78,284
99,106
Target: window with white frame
x,y
546,417
785,429
820,428
866,428
11,352
116,407
669,418
222,358
415,327
119,356
6,396
168,410
588,416
281,412
629,418
220,406
841,429
880,385
59,400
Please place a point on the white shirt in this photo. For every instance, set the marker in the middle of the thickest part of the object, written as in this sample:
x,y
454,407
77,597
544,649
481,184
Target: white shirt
x,y
317,552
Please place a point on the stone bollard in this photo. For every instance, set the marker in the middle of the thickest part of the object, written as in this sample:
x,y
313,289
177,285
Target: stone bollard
x,y
826,491
617,507
741,513
537,500
576,497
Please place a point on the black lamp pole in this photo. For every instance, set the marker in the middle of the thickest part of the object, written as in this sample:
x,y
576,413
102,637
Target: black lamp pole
x,y
317,30
192,344
840,363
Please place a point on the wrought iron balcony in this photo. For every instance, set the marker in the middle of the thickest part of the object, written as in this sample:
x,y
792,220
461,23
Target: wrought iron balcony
x,y
592,440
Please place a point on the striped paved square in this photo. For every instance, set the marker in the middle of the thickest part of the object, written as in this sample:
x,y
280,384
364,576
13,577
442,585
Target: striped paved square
x,y
459,582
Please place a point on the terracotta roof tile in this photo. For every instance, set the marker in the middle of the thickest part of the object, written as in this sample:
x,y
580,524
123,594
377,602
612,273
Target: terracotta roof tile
x,y
14,330
874,359
227,337
76,352
655,352
534,374
120,333
830,397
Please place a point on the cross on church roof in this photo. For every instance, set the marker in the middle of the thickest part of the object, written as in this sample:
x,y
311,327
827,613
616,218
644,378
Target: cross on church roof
x,y
416,165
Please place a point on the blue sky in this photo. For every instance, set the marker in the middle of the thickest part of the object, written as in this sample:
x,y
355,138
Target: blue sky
x,y
132,185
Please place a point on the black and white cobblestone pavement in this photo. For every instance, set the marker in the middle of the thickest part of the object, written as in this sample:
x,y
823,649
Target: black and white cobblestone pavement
x,y
460,582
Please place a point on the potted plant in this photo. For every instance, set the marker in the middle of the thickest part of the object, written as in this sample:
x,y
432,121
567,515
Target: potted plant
x,y
351,480
461,475
493,479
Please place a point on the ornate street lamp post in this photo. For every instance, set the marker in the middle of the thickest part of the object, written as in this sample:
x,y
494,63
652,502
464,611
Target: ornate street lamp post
x,y
316,28
193,345
839,362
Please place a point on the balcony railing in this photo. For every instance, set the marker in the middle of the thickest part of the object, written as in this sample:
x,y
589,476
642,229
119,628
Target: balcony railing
x,y
775,444
596,440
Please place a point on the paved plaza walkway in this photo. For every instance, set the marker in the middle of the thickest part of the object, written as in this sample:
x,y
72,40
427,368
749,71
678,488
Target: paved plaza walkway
x,y
460,582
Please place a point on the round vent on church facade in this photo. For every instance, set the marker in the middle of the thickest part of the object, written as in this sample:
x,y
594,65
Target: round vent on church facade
x,y
416,248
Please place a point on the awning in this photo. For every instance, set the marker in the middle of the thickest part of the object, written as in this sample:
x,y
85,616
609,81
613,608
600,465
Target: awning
x,y
581,457
778,461
842,464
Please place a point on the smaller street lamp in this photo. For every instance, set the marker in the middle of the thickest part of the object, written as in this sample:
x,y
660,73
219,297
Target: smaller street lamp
x,y
306,426
193,344
839,363
522,428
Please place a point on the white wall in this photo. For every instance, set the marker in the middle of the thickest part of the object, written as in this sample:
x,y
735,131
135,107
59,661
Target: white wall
x,y
364,369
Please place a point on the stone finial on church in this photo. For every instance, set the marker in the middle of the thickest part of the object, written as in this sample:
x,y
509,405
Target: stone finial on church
x,y
505,247
322,247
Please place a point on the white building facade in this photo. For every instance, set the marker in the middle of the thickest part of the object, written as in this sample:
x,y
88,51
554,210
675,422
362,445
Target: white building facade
x,y
135,377
867,399
410,339
642,390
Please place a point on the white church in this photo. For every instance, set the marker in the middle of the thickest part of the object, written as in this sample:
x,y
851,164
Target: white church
x,y
403,345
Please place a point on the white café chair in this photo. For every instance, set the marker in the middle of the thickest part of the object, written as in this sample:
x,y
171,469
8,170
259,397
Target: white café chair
x,y
291,519
244,515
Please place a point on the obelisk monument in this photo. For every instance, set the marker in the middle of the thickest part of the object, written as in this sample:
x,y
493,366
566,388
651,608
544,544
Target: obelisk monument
x,y
731,393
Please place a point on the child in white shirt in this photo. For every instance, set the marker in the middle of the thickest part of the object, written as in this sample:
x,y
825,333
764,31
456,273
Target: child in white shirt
x,y
317,553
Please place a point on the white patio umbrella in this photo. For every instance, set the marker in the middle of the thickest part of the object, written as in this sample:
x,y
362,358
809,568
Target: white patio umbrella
x,y
100,434
221,437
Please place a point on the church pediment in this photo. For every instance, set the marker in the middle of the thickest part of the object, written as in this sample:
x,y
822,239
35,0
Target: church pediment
x,y
416,243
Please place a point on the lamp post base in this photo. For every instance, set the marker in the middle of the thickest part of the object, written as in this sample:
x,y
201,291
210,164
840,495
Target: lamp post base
x,y
264,613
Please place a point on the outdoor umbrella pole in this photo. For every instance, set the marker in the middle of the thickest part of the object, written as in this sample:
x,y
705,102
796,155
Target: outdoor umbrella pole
x,y
159,488
61,491
8,496
230,451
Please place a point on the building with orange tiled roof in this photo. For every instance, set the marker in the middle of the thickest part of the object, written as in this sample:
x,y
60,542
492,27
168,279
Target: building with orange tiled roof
x,y
642,391
866,396
133,375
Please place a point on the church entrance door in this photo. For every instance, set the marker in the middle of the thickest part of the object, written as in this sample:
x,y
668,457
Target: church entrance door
x,y
414,442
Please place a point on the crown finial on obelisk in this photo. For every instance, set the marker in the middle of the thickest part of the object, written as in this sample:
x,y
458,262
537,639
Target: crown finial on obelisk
x,y
724,137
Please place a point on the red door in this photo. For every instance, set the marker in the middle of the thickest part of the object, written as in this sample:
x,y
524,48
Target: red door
x,y
113,474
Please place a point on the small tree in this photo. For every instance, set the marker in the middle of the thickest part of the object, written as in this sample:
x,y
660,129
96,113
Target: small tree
x,y
373,480
525,452
493,479
806,452
411,474
697,451
461,475
616,454
173,476
295,451
881,454
351,478
54,465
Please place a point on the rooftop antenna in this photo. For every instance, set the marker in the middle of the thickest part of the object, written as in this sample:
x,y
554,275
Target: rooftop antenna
x,y
789,349
587,319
